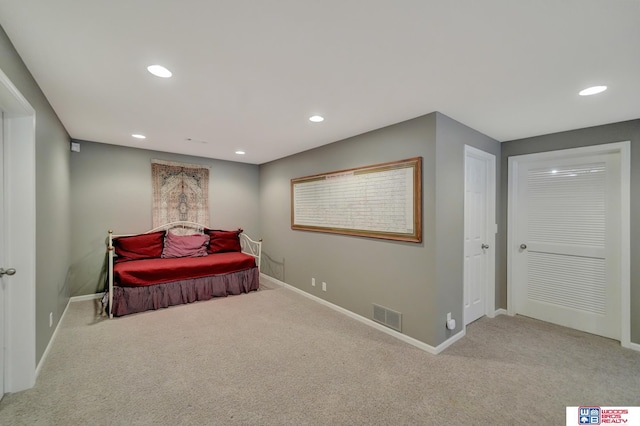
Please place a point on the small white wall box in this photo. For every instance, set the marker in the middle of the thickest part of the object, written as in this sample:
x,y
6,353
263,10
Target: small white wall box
x,y
75,147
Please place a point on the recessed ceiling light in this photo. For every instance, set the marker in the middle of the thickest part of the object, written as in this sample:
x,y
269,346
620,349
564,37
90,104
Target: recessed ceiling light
x,y
240,152
159,71
316,118
592,90
138,136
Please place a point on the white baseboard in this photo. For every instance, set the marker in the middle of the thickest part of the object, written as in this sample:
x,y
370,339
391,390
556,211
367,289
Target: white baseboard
x,y
450,341
50,344
410,340
55,332
86,297
633,346
500,312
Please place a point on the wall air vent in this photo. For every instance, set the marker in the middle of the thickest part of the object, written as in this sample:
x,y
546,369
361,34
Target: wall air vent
x,y
388,317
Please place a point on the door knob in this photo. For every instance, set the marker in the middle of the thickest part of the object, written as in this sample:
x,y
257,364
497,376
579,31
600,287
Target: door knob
x,y
9,271
523,246
484,246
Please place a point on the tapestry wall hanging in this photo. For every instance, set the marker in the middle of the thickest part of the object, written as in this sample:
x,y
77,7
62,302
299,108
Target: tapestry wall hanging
x,y
180,192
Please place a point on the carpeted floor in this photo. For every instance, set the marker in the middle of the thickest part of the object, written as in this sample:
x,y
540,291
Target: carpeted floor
x,y
273,357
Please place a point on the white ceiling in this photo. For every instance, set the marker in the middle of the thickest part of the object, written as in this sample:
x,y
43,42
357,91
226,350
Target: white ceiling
x,y
249,73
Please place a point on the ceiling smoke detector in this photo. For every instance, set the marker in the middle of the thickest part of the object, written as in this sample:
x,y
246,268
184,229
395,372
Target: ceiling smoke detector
x,y
195,140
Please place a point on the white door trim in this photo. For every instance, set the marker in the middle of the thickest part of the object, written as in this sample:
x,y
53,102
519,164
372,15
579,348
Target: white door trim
x,y
624,149
20,237
491,226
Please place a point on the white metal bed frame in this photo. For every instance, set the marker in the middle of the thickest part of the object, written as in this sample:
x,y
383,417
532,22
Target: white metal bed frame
x,y
248,246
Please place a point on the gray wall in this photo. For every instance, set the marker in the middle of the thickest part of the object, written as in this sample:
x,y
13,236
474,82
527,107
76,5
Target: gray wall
x,y
111,189
625,131
452,136
52,199
423,281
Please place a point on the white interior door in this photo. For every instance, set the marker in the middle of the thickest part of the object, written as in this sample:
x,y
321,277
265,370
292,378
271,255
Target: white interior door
x,y
17,241
479,235
565,239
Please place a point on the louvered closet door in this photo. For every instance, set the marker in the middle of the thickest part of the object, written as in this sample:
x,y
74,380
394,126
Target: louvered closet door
x,y
566,259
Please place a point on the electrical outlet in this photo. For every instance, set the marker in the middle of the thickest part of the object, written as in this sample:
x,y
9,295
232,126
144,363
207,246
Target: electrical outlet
x,y
313,282
324,286
50,319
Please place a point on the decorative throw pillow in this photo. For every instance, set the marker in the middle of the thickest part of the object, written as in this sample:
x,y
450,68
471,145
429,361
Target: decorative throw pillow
x,y
185,245
223,241
135,247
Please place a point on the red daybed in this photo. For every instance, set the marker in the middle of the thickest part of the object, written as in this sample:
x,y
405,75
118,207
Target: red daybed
x,y
179,263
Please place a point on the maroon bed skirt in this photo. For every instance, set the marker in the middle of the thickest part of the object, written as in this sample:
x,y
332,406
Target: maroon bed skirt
x,y
129,300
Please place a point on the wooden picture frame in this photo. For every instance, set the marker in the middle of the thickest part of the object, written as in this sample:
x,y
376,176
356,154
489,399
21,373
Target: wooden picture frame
x,y
378,201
